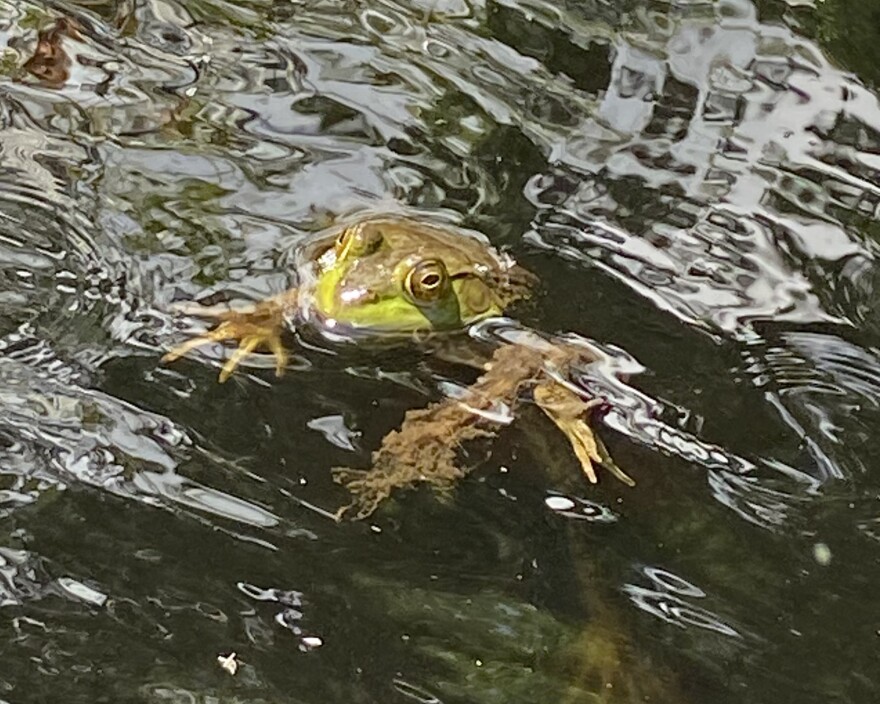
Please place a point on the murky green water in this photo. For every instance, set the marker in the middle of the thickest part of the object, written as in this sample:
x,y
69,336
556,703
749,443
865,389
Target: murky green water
x,y
696,184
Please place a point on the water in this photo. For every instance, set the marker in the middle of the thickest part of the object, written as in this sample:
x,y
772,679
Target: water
x,y
695,184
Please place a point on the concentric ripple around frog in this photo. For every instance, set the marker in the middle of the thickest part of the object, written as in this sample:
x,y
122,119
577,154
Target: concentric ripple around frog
x,y
400,278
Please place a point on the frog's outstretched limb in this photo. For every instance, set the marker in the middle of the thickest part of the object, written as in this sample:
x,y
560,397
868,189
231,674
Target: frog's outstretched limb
x,y
425,447
259,326
568,412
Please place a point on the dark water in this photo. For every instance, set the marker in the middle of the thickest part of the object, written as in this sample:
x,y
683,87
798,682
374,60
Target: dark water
x,y
696,184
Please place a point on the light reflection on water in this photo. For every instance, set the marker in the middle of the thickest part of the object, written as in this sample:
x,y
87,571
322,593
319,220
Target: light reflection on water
x,y
695,185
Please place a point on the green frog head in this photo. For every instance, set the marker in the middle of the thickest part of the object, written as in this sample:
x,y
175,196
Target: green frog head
x,y
399,276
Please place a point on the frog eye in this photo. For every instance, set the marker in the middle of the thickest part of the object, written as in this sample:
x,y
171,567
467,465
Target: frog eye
x,y
427,281
358,240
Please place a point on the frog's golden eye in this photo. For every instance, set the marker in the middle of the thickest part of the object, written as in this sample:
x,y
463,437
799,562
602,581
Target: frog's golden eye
x,y
427,281
358,241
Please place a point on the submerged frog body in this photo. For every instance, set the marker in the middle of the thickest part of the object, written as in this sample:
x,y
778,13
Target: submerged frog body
x,y
391,277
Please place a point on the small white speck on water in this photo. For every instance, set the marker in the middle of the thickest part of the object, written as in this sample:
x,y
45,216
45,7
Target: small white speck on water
x,y
822,554
228,663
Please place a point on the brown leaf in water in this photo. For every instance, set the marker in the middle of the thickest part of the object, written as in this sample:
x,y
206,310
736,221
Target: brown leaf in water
x,y
50,62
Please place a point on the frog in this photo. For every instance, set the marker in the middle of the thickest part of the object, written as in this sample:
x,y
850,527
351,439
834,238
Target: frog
x,y
396,278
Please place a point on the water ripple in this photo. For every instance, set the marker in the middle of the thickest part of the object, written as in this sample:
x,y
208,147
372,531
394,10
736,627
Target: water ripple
x,y
826,389
711,166
671,600
57,432
112,86
289,615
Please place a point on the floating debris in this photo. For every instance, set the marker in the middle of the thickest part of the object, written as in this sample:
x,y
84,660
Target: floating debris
x,y
228,663
50,62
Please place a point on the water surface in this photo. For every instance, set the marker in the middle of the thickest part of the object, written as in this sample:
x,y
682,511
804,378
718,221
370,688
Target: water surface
x,y
696,185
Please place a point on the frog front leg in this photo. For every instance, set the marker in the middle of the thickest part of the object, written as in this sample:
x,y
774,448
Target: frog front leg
x,y
261,325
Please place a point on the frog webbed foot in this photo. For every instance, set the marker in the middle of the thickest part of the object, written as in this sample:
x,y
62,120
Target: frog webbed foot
x,y
568,412
261,325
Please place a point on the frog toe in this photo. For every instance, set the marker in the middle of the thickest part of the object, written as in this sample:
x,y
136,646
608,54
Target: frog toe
x,y
271,340
276,347
222,332
248,344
